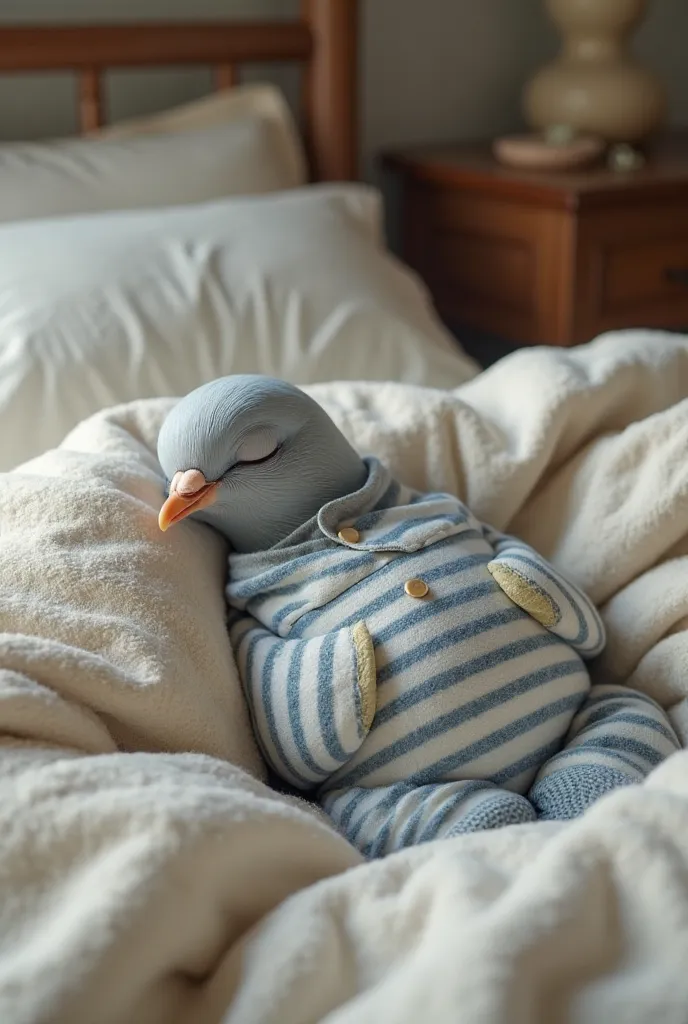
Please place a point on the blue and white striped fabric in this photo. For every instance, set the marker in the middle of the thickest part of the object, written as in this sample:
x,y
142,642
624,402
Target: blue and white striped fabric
x,y
471,696
308,728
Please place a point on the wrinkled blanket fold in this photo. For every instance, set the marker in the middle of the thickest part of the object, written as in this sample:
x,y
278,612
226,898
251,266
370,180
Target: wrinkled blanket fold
x,y
147,872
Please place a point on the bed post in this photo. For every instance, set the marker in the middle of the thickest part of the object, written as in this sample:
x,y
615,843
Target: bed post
x,y
330,83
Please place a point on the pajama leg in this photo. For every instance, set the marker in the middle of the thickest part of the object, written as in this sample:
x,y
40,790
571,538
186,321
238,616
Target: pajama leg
x,y
616,739
388,818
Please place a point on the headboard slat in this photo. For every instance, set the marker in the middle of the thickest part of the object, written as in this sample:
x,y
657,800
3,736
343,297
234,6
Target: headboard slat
x,y
90,100
225,76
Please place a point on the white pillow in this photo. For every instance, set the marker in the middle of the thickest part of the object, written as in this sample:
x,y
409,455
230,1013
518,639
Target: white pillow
x,y
105,309
242,141
260,100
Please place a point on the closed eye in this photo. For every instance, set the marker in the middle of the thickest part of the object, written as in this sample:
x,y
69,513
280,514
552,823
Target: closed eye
x,y
257,462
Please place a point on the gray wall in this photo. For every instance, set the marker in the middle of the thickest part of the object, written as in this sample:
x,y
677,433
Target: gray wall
x,y
430,68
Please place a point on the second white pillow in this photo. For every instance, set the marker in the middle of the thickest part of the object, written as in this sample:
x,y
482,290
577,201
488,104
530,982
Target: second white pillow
x,y
240,142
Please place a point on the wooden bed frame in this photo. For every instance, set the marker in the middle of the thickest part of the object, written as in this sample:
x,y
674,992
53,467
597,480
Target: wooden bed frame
x,y
323,40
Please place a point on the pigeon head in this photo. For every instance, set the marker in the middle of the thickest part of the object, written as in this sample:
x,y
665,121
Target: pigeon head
x,y
253,457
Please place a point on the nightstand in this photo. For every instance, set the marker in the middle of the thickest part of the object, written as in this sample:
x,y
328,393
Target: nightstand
x,y
552,259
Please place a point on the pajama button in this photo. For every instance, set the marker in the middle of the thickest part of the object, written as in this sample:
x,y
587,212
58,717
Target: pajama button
x,y
416,588
349,535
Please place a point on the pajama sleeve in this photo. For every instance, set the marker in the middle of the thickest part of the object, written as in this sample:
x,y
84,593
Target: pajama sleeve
x,y
536,586
312,702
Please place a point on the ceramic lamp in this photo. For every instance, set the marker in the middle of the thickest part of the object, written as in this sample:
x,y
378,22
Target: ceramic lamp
x,y
595,85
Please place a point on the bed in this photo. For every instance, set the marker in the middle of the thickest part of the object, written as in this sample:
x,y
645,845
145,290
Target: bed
x,y
148,872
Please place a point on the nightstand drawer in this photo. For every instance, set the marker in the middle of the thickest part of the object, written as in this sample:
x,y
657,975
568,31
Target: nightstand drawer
x,y
633,267
471,251
486,263
644,272
484,267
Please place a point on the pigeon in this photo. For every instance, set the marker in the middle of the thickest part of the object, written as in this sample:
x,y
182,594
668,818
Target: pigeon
x,y
419,673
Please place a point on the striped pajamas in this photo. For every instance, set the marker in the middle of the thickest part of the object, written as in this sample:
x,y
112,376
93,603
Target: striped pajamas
x,y
416,717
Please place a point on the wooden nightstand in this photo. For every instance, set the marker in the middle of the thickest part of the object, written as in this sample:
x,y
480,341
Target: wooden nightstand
x,y
548,258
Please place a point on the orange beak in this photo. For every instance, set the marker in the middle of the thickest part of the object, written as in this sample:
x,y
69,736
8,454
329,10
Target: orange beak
x,y
189,492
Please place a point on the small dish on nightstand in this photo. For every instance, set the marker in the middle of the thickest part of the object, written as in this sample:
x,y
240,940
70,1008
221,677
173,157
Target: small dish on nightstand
x,y
537,153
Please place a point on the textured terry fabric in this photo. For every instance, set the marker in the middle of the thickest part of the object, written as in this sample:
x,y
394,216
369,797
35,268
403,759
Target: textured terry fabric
x,y
472,692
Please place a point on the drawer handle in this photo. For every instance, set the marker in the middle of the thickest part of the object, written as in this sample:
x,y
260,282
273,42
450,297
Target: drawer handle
x,y
677,275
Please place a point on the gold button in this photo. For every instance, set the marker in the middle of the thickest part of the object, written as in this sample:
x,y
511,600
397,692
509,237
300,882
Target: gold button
x,y
416,588
349,535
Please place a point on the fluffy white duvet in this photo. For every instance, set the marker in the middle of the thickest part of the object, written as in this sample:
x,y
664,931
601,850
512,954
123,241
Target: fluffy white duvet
x,y
147,874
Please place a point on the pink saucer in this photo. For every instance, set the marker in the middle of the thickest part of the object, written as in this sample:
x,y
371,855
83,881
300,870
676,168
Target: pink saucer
x,y
531,152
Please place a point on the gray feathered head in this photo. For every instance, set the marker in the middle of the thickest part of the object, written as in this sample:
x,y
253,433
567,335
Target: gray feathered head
x,y
255,458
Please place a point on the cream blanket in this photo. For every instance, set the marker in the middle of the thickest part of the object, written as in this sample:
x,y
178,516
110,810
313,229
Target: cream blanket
x,y
144,865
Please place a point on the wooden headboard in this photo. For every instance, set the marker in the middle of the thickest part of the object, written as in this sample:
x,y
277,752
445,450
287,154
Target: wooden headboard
x,y
323,40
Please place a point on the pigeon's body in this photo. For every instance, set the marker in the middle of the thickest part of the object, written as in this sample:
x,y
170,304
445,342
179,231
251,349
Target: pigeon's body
x,y
415,668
